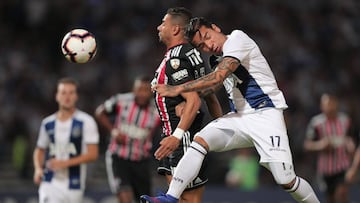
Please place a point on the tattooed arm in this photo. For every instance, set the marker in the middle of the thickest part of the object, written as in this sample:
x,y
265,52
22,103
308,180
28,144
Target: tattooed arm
x,y
227,66
210,90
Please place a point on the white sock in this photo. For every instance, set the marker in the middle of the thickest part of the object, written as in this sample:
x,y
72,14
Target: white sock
x,y
303,192
187,169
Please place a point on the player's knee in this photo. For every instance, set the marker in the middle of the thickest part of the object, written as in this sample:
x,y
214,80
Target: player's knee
x,y
289,185
201,142
286,179
283,179
283,173
198,147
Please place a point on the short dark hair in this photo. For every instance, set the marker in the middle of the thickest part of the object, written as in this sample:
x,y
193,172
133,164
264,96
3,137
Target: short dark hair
x,y
194,26
68,80
181,14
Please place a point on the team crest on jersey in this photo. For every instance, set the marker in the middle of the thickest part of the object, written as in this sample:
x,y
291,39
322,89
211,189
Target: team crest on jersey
x,y
76,131
175,63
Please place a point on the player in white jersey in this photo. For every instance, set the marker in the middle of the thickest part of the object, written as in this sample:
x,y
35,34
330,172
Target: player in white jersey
x,y
257,120
67,140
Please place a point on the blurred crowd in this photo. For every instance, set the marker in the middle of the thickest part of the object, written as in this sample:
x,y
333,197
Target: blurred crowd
x,y
312,46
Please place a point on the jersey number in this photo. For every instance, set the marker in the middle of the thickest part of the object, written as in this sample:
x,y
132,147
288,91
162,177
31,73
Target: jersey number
x,y
194,57
275,141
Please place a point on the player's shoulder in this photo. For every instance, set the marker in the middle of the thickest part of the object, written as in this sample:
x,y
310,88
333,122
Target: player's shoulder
x,y
240,35
181,50
83,116
343,116
125,96
318,119
49,118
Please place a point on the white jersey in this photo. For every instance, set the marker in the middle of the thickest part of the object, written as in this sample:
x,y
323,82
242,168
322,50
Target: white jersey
x,y
252,85
66,139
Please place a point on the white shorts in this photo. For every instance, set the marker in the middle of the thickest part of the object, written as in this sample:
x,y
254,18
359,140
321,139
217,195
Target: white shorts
x,y
263,129
51,193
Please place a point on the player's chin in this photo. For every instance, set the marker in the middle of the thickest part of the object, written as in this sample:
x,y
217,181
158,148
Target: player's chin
x,y
215,51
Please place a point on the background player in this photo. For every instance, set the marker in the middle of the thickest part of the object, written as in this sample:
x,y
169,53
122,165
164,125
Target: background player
x,y
67,140
182,63
258,120
131,119
328,133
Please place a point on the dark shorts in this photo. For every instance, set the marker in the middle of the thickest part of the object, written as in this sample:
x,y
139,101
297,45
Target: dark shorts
x,y
333,181
168,164
128,175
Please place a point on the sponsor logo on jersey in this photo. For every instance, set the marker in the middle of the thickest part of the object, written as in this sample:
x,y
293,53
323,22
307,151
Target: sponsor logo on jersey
x,y
177,76
61,150
134,131
175,63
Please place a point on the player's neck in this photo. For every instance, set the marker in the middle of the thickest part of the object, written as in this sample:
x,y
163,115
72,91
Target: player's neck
x,y
176,42
64,114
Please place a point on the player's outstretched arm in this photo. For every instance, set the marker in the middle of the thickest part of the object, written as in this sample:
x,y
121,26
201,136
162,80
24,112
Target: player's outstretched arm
x,y
227,66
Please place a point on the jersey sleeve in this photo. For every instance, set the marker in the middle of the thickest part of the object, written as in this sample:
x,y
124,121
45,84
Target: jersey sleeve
x,y
91,132
43,139
110,104
311,130
187,66
238,45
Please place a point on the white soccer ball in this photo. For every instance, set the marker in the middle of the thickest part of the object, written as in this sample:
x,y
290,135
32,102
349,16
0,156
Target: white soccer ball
x,y
79,46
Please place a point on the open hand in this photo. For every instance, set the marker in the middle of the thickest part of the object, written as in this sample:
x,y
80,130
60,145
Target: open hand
x,y
167,146
56,164
38,174
350,175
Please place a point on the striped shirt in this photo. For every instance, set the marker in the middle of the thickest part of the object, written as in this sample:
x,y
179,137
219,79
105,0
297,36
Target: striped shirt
x,y
252,86
136,123
181,63
64,140
331,162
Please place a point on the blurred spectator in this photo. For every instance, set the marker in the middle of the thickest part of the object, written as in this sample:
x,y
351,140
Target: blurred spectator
x,y
243,170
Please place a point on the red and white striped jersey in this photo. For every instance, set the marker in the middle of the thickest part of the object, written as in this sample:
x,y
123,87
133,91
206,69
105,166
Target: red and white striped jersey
x,y
136,123
331,162
181,63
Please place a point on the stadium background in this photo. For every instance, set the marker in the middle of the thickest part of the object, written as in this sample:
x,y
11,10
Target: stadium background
x,y
312,46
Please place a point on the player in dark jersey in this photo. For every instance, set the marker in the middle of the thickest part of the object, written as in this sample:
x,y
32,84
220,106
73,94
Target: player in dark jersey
x,y
181,63
131,118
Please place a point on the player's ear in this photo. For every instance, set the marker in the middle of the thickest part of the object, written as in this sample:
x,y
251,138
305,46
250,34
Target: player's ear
x,y
215,27
57,97
176,29
76,97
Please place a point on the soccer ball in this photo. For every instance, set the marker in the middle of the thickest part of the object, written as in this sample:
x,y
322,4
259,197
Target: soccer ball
x,y
79,46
